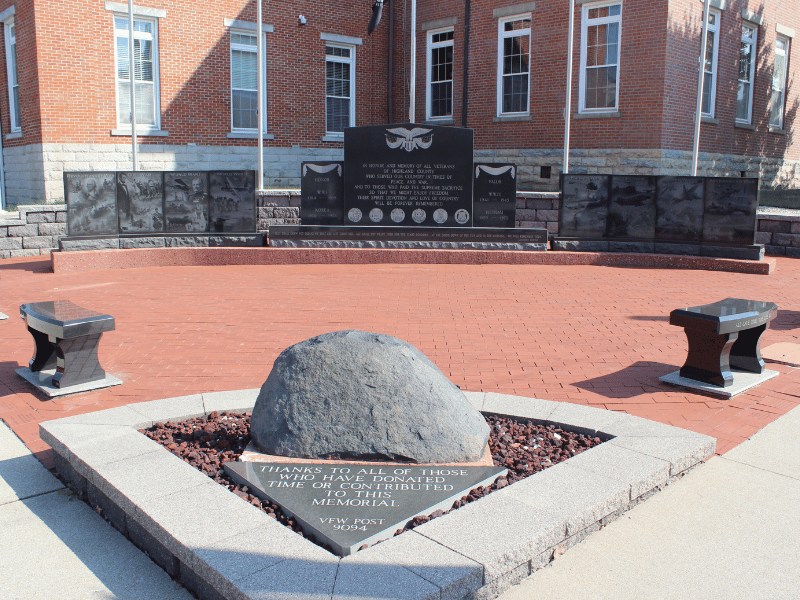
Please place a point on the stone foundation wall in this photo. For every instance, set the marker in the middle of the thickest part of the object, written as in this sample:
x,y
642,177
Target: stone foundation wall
x,y
34,173
35,232
38,227
779,234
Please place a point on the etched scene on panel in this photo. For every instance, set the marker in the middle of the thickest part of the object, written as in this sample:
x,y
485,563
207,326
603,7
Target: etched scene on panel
x,y
730,210
186,202
632,209
679,208
140,202
584,205
91,203
233,203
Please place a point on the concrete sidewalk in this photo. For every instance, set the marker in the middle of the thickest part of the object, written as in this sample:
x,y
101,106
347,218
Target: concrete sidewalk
x,y
729,529
54,547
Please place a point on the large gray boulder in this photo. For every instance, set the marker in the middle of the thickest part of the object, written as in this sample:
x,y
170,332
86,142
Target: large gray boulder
x,y
353,394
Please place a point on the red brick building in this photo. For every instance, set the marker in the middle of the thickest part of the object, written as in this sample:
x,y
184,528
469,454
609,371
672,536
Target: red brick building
x,y
64,104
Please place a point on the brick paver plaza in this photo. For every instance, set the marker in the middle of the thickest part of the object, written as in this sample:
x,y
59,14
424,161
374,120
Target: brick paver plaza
x,y
584,334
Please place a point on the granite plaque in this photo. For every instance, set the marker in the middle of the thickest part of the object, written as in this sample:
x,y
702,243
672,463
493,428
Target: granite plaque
x,y
349,505
408,174
91,203
494,195
233,201
584,205
632,207
730,210
519,235
140,202
679,208
322,193
186,202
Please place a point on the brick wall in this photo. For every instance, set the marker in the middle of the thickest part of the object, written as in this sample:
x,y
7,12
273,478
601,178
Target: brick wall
x,y
68,96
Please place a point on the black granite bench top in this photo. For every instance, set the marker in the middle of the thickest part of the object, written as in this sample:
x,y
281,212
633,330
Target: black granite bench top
x,y
725,316
64,319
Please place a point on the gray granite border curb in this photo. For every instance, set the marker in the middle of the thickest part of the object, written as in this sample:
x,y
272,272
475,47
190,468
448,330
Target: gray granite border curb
x,y
220,546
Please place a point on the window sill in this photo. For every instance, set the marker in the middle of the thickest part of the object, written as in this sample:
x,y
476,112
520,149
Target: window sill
x,y
333,138
598,115
512,119
140,132
709,120
14,135
777,130
245,135
749,126
440,122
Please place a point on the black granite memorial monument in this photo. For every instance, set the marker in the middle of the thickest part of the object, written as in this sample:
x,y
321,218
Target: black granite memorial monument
x,y
494,195
322,193
409,175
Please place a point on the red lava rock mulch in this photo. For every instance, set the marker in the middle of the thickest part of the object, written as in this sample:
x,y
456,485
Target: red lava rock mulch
x,y
524,448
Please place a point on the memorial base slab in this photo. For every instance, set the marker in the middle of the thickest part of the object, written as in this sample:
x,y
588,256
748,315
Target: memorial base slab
x,y
742,381
43,381
408,245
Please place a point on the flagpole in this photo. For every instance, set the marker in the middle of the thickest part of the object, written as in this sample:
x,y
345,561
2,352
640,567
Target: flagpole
x,y
568,103
411,107
260,97
700,82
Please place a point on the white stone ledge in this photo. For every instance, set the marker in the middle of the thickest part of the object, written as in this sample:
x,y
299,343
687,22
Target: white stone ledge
x,y
238,551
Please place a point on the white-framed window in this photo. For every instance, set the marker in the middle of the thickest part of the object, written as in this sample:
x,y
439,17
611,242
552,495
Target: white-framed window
x,y
777,98
710,64
599,76
747,69
145,63
513,65
244,82
13,80
440,74
340,87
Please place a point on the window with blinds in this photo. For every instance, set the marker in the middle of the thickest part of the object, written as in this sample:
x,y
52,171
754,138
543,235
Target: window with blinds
x,y
13,81
599,75
339,88
145,72
514,47
244,82
747,66
440,74
777,99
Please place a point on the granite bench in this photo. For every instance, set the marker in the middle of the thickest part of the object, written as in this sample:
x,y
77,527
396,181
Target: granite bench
x,y
66,337
722,336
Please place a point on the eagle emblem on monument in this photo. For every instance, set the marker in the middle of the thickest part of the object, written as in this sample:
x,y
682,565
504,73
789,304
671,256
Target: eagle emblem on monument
x,y
409,139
